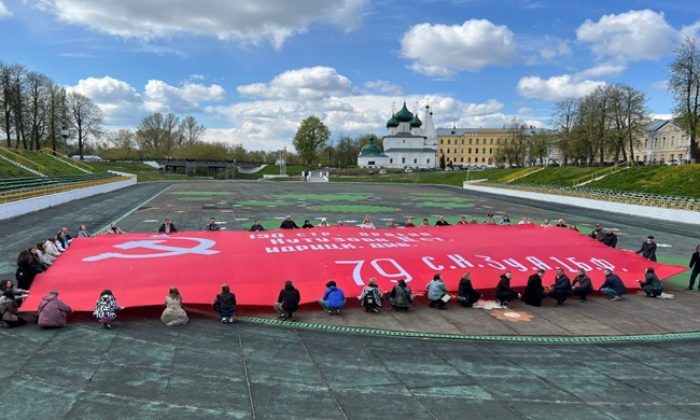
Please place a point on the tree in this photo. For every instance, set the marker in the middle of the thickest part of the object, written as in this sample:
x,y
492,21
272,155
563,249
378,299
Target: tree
x,y
191,130
310,138
685,87
85,117
538,147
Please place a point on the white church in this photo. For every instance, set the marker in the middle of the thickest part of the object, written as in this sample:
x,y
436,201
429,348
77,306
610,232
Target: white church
x,y
411,143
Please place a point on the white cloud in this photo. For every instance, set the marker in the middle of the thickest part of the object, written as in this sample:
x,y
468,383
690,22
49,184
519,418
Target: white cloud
x,y
382,86
442,50
4,13
162,97
116,98
538,49
556,88
634,35
245,21
660,85
306,83
690,31
601,70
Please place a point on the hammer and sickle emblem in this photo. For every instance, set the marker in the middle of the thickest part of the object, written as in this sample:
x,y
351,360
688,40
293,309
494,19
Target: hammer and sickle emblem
x,y
202,248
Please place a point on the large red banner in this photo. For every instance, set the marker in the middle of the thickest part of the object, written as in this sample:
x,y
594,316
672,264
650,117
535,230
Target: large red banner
x,y
140,268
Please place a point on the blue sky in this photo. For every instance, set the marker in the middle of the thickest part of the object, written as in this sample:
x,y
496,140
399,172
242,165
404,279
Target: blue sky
x,y
250,71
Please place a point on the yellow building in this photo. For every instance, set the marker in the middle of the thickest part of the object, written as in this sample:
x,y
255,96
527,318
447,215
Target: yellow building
x,y
476,146
663,142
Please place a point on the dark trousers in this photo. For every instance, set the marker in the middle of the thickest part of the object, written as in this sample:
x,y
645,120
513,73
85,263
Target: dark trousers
x,y
559,295
506,296
581,292
693,276
468,301
437,304
12,324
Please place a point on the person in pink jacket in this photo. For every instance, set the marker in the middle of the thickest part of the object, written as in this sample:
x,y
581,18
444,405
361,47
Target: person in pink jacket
x,y
53,313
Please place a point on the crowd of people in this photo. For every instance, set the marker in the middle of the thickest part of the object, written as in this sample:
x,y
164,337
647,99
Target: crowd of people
x,y
53,312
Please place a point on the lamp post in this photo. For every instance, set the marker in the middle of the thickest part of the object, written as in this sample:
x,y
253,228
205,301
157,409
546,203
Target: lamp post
x,y
64,134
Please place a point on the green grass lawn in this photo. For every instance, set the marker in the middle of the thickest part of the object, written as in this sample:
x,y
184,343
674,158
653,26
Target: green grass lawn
x,y
55,167
681,180
8,170
564,176
455,178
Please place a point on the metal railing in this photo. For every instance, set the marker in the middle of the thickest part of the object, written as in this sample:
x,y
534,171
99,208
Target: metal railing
x,y
68,160
54,189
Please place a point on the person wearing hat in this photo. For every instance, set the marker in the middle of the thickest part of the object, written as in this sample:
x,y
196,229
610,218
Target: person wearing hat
x,y
333,299
648,249
307,224
287,301
288,223
371,297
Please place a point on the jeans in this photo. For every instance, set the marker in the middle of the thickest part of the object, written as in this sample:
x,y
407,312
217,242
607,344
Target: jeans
x,y
324,305
608,291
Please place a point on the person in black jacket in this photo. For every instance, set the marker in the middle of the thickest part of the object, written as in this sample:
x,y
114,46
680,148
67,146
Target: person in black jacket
x,y
466,295
648,249
225,304
534,291
582,285
167,227
695,265
27,268
610,239
561,289
288,223
504,293
288,301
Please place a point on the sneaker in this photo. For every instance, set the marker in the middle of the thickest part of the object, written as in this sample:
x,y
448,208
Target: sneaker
x,y
375,310
224,320
330,312
230,320
616,299
337,311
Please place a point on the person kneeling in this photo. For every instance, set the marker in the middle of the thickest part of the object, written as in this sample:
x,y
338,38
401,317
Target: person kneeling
x,y
534,291
333,299
106,309
651,284
287,301
505,293
466,294
400,297
437,293
582,285
9,313
613,286
174,314
53,313
561,289
225,304
371,297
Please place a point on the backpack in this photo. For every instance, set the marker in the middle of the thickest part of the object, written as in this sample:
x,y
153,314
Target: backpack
x,y
370,299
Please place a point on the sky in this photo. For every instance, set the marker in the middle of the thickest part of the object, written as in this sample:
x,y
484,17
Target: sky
x,y
250,71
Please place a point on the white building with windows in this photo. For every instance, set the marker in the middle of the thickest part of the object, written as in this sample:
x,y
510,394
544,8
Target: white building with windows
x,y
663,142
411,143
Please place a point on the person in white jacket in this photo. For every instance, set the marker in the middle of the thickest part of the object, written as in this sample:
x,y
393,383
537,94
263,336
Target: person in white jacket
x,y
50,250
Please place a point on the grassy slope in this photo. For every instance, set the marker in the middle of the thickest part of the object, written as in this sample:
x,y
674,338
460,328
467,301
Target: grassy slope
x,y
556,176
669,180
8,170
54,167
450,178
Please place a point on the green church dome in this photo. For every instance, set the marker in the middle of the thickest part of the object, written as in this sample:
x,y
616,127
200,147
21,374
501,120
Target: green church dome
x,y
393,122
416,122
404,115
370,149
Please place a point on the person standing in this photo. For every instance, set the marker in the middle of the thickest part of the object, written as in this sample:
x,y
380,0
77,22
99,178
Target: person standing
x,y
613,287
695,266
442,222
534,291
582,285
167,227
288,223
648,249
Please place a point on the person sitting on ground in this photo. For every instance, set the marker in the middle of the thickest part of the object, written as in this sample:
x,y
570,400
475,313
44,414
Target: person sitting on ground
x,y
400,296
574,228
560,223
288,223
466,295
425,222
442,222
307,225
436,292
504,293
392,224
257,227
367,223
694,264
505,220
323,223
409,223
20,294
225,304
83,232
545,223
59,242
582,285
287,301
490,220
114,229
610,239
106,309
44,260
27,269
67,235
561,289
52,312
50,250
174,314
167,227
9,311
598,233
524,221
333,299
651,285
463,220
613,287
534,291
65,238
648,249
212,226
371,297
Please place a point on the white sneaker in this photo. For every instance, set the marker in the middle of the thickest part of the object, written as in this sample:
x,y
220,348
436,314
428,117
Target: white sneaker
x,y
223,320
230,320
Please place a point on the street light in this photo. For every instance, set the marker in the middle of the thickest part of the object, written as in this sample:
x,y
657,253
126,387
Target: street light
x,y
64,134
